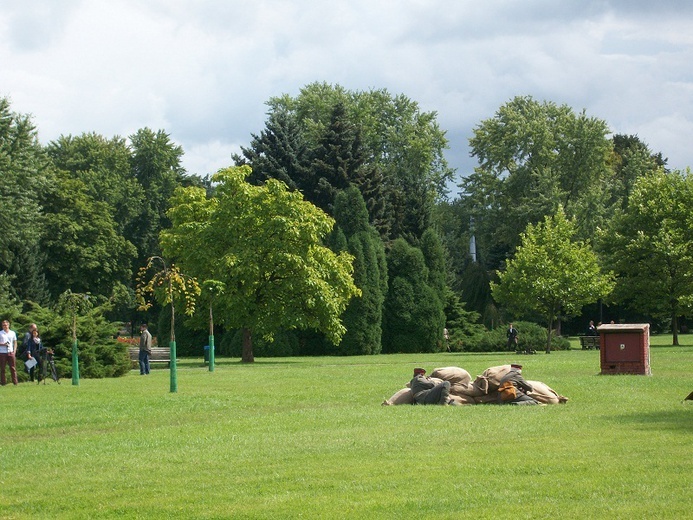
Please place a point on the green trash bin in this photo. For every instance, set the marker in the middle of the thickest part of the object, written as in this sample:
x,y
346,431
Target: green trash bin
x,y
206,353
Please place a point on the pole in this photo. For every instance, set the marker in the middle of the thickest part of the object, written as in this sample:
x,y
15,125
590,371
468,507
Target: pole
x,y
174,368
211,353
75,364
211,339
75,355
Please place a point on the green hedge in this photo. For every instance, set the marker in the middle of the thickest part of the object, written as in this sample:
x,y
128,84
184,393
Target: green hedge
x,y
531,337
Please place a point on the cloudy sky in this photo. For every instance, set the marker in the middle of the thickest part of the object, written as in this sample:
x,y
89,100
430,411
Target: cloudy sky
x,y
202,70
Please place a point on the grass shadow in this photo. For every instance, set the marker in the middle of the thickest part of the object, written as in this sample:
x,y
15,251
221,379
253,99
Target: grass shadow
x,y
680,419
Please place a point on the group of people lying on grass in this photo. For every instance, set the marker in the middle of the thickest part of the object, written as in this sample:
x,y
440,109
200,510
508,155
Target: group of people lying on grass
x,y
502,384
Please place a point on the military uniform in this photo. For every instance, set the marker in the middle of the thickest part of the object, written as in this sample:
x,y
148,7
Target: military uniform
x,y
522,387
426,391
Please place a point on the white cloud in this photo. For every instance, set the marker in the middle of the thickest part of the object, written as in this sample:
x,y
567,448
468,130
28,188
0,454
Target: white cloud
x,y
202,70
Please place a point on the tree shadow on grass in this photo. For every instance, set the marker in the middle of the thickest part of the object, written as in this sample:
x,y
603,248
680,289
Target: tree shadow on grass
x,y
237,362
680,419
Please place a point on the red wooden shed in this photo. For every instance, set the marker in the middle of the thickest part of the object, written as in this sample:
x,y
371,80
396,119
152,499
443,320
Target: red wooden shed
x,y
625,348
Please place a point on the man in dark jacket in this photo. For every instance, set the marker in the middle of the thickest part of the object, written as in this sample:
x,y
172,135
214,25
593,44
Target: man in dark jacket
x,y
145,349
426,391
512,336
522,387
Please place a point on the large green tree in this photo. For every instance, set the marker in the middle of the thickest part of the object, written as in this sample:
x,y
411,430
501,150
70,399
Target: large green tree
x,y
650,247
532,157
24,175
84,251
402,146
103,165
156,164
264,244
551,273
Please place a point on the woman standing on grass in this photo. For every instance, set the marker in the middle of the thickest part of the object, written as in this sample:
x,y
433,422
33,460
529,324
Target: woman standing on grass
x,y
32,350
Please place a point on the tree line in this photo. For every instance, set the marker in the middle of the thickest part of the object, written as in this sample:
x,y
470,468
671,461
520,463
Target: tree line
x,y
88,211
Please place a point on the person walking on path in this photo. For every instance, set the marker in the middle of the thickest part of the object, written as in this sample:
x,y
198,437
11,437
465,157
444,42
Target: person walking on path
x,y
8,353
145,349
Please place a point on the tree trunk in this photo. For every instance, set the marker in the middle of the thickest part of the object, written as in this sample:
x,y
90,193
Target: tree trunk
x,y
247,356
675,328
548,336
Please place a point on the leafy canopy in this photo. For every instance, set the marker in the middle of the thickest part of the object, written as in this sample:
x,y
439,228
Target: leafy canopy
x,y
650,246
264,244
551,272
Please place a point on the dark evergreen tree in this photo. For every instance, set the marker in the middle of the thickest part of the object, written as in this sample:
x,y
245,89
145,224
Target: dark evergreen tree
x,y
24,175
279,152
29,279
371,183
632,160
462,325
402,152
434,256
413,318
363,316
336,160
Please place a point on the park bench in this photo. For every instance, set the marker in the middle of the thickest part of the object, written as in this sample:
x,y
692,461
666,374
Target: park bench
x,y
158,355
589,342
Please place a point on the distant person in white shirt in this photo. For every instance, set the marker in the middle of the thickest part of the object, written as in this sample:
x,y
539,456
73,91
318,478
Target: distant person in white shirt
x,y
8,353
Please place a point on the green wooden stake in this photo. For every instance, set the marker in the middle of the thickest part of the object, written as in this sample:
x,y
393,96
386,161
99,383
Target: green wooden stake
x,y
75,364
211,353
174,368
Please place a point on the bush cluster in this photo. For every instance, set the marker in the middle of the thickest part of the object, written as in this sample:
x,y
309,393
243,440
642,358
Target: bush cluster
x,y
531,337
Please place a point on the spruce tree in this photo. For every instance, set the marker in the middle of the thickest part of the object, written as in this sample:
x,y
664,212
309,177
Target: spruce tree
x,y
363,316
413,318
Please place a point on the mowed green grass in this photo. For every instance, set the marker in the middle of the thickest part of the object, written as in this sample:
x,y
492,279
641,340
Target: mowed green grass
x,y
308,438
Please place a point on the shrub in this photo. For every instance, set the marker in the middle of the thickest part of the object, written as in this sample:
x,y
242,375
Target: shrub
x,y
531,337
100,355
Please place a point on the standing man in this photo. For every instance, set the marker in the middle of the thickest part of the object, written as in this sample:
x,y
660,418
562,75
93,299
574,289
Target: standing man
x,y
512,337
145,349
8,353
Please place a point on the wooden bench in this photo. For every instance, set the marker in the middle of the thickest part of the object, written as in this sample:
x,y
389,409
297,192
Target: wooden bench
x,y
158,355
589,342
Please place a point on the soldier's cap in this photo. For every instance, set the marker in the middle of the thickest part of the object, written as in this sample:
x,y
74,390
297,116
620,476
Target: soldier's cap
x,y
419,371
515,365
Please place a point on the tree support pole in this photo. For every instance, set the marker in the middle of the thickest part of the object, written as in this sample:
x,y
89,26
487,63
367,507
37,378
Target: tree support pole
x,y
174,368
211,353
75,364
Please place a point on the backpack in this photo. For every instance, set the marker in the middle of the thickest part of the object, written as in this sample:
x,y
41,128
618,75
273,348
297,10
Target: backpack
x,y
507,391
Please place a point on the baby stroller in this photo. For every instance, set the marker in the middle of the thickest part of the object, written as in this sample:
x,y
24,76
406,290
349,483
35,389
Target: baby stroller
x,y
48,361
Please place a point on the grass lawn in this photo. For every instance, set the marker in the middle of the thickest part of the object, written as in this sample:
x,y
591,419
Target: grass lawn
x,y
307,438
